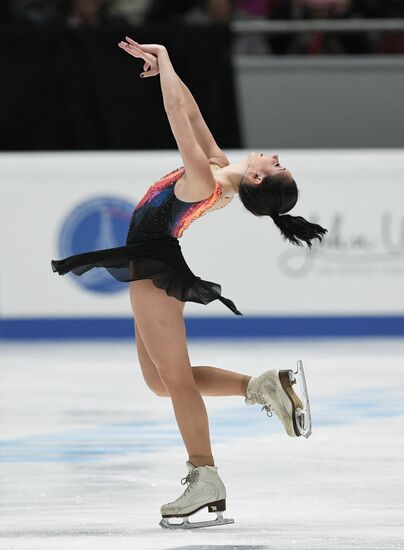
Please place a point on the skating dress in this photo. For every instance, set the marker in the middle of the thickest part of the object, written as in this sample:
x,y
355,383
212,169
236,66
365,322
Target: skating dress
x,y
152,250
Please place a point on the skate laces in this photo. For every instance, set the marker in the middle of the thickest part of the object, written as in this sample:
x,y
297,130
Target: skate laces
x,y
191,479
259,399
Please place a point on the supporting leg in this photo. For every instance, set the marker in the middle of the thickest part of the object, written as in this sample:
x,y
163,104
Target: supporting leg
x,y
192,419
209,381
162,328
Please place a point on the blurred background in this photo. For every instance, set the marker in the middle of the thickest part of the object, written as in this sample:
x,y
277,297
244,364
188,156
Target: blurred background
x,y
89,453
307,64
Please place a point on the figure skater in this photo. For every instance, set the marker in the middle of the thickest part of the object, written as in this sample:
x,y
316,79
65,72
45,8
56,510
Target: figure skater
x,y
161,282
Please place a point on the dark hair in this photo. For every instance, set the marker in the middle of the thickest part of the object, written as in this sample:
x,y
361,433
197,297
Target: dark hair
x,y
274,196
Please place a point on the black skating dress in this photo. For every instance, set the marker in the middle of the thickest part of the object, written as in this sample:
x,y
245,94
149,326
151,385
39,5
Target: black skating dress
x,y
152,249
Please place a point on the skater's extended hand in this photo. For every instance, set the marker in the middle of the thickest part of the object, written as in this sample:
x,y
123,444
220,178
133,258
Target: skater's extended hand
x,y
148,52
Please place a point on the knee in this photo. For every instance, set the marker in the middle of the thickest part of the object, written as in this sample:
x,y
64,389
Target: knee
x,y
157,388
160,392
173,379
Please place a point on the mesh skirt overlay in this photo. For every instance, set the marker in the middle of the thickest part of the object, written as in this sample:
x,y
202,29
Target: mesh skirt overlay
x,y
159,260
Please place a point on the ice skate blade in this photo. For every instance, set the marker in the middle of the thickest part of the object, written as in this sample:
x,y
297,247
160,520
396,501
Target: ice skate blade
x,y
304,419
186,524
303,423
300,406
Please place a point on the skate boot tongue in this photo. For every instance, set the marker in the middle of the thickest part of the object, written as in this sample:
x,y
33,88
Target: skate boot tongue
x,y
190,466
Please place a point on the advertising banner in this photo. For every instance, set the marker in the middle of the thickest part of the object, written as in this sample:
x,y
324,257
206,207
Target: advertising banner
x,y
58,204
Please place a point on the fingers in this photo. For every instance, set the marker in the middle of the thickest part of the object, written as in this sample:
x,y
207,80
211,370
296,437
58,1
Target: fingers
x,y
131,41
149,48
148,74
135,44
130,48
149,70
150,67
136,52
148,57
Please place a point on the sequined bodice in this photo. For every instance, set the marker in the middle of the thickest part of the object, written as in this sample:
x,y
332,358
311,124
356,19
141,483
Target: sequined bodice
x,y
160,215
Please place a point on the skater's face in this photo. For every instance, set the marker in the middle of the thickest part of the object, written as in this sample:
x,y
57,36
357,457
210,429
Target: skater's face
x,y
258,166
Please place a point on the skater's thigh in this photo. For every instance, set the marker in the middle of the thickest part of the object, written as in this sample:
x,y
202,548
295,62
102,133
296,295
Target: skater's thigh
x,y
160,322
149,370
148,367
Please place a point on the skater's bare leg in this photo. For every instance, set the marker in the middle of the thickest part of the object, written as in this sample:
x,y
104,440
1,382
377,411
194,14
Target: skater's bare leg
x,y
161,324
214,381
192,418
209,380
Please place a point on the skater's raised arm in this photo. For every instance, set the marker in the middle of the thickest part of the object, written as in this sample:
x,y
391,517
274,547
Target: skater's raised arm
x,y
173,96
199,126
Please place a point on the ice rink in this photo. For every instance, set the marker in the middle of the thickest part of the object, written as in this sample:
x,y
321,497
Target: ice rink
x,y
89,453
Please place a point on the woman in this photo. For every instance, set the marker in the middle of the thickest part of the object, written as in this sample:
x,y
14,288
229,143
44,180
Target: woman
x,y
161,281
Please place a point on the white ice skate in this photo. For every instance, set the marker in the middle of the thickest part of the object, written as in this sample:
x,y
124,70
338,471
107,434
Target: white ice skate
x,y
205,488
274,390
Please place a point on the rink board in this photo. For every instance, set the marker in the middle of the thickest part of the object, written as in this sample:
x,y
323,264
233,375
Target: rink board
x,y
57,204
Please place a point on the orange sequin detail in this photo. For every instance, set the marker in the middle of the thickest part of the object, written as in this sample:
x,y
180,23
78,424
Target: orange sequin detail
x,y
194,211
197,211
158,185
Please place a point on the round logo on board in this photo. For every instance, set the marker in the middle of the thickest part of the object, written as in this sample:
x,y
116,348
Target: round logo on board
x,y
96,224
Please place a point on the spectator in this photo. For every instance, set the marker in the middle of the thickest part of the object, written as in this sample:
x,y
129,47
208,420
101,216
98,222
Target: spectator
x,y
220,11
34,12
322,9
210,11
280,9
79,13
317,42
133,11
252,43
168,11
370,8
392,42
257,9
87,13
224,11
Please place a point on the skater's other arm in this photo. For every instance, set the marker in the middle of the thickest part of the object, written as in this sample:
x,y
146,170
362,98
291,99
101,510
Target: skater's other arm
x,y
201,129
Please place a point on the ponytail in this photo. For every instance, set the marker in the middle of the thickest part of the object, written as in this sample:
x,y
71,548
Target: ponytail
x,y
296,229
274,196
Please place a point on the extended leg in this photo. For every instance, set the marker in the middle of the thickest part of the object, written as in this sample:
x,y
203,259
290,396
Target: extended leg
x,y
215,381
209,380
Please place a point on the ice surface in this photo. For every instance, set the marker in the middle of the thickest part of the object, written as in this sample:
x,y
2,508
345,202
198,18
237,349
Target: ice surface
x,y
89,453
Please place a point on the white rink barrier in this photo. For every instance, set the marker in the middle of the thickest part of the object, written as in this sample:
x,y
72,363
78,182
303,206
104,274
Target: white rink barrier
x,y
57,204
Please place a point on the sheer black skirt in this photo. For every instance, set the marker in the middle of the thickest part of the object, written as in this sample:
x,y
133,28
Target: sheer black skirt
x,y
160,260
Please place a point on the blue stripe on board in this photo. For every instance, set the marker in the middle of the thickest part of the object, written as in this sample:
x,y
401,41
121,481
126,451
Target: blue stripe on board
x,y
81,328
